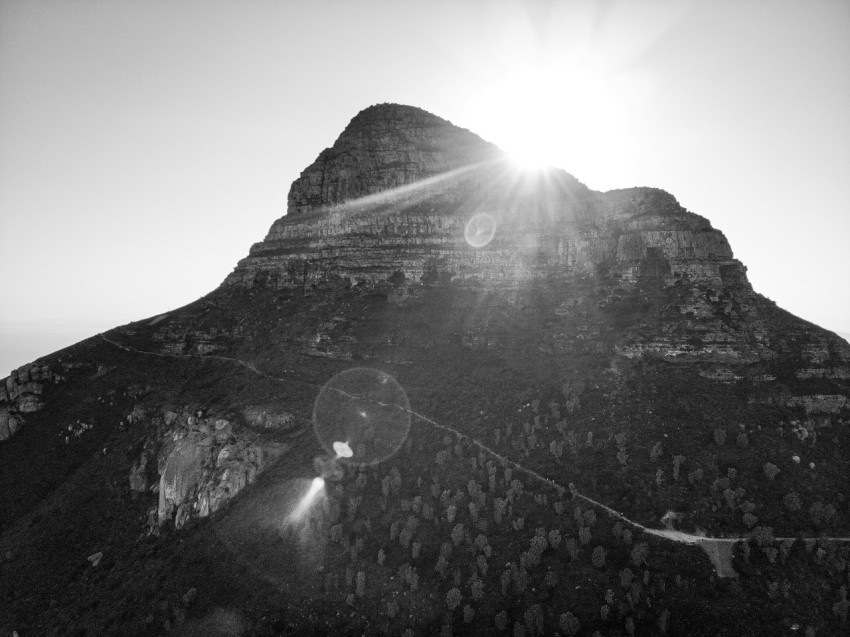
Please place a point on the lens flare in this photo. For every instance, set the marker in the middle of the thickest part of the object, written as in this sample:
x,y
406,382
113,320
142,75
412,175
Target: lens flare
x,y
342,449
480,230
361,416
317,485
315,488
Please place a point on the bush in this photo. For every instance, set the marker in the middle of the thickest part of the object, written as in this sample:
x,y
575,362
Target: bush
x,y
453,598
770,470
569,624
792,501
695,476
501,620
677,463
598,557
719,437
468,614
821,514
743,440
640,553
656,451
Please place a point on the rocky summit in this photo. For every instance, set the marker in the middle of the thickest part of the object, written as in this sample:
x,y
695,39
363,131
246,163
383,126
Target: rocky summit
x,y
442,396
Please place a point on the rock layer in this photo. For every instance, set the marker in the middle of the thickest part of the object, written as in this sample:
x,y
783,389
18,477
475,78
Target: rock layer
x,y
393,195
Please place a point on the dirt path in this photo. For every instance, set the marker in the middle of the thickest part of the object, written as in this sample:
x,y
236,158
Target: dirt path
x,y
718,549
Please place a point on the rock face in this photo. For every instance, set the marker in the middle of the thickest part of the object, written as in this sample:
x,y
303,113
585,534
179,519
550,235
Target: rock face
x,y
202,464
21,393
384,147
394,194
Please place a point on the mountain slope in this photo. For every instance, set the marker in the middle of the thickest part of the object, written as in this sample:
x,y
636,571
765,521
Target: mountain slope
x,y
555,346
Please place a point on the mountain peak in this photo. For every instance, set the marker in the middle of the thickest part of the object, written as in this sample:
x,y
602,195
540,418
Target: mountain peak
x,y
386,146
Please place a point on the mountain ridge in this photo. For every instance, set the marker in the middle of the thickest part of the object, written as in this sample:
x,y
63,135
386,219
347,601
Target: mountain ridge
x,y
608,343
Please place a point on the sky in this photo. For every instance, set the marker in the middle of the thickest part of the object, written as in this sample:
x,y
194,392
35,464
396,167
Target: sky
x,y
145,145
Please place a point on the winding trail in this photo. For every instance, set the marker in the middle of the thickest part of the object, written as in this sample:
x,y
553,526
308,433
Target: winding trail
x,y
718,549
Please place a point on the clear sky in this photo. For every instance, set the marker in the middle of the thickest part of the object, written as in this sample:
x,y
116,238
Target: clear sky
x,y
145,145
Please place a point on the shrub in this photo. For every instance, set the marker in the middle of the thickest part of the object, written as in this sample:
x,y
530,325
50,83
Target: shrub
x,y
742,440
534,619
762,535
392,609
554,538
792,501
442,567
501,620
453,598
821,514
719,437
569,624
842,606
750,520
457,534
695,476
770,470
476,587
361,584
656,451
640,553
598,557
468,614
381,556
584,536
677,463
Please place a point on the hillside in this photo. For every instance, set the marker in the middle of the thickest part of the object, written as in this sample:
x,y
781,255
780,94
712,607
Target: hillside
x,y
530,375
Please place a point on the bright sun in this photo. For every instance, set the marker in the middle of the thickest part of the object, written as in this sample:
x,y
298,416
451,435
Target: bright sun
x,y
562,115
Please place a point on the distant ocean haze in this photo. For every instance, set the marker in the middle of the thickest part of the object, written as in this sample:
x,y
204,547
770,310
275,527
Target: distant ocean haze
x,y
21,344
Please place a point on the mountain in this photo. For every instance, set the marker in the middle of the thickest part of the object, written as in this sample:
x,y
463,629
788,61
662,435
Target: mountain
x,y
536,409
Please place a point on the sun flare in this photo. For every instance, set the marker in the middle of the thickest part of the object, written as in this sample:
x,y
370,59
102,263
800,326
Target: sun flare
x,y
563,115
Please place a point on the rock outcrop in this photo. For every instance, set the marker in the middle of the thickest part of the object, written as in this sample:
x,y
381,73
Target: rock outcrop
x,y
202,463
393,196
22,393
